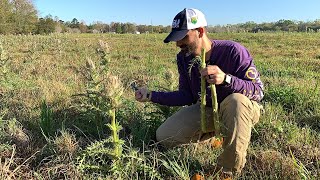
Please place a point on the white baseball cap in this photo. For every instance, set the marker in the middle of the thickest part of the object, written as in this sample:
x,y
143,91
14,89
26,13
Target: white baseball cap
x,y
188,18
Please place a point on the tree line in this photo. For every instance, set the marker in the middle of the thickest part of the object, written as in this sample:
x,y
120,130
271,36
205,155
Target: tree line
x,y
281,25
99,27
21,17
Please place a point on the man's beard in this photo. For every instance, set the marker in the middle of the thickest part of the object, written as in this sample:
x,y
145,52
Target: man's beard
x,y
189,49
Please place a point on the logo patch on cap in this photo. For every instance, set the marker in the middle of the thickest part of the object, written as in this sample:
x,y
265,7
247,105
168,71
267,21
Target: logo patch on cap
x,y
194,20
175,23
251,73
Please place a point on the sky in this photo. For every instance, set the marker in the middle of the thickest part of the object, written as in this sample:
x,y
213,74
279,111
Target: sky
x,y
162,12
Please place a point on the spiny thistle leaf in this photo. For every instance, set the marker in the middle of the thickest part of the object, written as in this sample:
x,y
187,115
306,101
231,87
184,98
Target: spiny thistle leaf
x,y
196,60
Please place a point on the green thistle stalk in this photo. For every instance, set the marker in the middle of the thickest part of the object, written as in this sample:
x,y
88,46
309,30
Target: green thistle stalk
x,y
203,94
114,93
3,63
117,151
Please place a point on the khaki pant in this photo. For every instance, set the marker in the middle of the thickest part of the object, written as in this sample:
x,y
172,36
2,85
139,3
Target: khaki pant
x,y
238,115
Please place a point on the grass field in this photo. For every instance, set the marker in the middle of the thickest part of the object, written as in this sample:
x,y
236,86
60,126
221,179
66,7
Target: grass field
x,y
55,99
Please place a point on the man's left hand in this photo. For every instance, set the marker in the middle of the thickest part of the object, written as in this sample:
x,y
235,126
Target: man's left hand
x,y
213,74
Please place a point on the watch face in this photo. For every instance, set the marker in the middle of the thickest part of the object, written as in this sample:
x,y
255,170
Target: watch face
x,y
228,79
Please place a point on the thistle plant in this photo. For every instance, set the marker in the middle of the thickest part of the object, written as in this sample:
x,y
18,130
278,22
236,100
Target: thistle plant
x,y
3,62
101,99
92,102
113,93
104,51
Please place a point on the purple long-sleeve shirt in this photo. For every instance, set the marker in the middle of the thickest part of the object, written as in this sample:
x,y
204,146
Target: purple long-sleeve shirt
x,y
232,58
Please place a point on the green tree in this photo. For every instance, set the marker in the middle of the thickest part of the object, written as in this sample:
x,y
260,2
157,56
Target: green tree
x,y
6,17
74,23
107,28
131,28
124,28
166,29
24,16
83,27
142,28
118,28
248,26
98,26
46,25
286,25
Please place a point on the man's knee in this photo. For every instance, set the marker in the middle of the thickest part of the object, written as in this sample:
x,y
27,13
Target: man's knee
x,y
238,104
160,134
235,101
237,110
165,138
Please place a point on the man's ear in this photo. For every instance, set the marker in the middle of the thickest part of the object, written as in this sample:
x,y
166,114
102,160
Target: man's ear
x,y
201,32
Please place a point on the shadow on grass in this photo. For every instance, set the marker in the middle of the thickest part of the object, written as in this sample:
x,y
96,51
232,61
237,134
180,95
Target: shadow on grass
x,y
313,122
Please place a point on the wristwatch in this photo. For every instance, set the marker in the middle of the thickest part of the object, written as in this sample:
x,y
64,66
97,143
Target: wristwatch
x,y
227,79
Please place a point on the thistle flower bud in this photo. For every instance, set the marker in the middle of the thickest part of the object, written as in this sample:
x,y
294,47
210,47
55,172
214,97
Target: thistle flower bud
x,y
114,90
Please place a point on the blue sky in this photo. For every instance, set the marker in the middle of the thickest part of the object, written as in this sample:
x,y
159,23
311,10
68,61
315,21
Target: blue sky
x,y
161,12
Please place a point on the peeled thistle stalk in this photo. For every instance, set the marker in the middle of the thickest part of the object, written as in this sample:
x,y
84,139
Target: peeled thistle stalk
x,y
218,140
215,114
203,93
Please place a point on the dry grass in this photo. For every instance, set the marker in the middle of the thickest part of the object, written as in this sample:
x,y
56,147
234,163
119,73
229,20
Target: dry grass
x,y
66,143
271,164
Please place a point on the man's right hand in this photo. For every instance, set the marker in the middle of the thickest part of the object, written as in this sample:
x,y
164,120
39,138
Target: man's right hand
x,y
143,95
